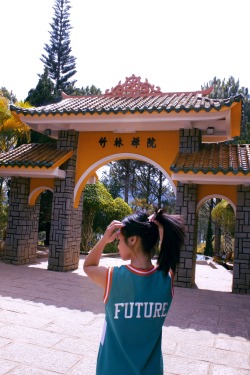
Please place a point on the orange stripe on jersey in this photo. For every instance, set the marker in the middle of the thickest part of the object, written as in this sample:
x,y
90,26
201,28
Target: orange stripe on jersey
x,y
171,274
140,271
108,284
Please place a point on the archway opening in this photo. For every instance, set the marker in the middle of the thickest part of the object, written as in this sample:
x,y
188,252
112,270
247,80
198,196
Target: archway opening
x,y
90,172
44,223
215,244
136,180
139,184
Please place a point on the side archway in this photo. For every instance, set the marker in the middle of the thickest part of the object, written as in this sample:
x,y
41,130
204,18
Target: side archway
x,y
215,243
207,197
34,194
88,175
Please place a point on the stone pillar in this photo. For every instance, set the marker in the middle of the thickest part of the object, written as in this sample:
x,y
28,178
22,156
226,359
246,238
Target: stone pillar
x,y
186,206
186,200
66,221
241,269
22,226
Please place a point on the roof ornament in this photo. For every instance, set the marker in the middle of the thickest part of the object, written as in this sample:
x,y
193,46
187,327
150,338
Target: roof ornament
x,y
133,87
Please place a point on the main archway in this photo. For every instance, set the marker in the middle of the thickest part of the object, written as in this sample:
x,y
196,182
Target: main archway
x,y
92,170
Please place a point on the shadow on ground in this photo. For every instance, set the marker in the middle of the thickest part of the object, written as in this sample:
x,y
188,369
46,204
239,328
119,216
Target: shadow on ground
x,y
196,309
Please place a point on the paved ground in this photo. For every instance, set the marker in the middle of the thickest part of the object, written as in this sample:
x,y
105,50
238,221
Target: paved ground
x,y
51,323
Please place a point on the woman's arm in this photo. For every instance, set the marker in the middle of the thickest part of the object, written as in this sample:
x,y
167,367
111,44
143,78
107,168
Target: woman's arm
x,y
91,265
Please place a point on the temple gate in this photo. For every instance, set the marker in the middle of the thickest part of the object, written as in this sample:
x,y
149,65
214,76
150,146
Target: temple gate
x,y
182,134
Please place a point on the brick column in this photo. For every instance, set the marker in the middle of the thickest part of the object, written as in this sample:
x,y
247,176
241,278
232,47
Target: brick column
x,y
66,221
186,206
241,269
190,140
186,200
22,226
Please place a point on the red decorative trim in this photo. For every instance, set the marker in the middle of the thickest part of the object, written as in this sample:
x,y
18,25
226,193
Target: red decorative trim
x,y
171,274
133,87
140,271
109,277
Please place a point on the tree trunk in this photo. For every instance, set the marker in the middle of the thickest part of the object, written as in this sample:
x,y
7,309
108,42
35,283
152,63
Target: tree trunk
x,y
87,230
209,238
148,190
217,233
159,198
127,165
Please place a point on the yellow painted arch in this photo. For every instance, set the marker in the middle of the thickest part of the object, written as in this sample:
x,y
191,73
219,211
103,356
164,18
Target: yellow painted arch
x,y
86,176
37,186
35,194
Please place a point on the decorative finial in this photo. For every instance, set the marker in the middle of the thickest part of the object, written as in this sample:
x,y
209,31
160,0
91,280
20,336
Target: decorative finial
x,y
133,87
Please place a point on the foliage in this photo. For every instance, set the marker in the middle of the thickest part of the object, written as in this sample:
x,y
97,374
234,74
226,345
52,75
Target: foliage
x,y
36,137
117,211
99,208
88,90
201,248
202,222
141,204
223,89
8,94
58,59
44,93
59,63
12,130
45,214
223,214
138,182
205,227
209,239
3,214
4,110
121,209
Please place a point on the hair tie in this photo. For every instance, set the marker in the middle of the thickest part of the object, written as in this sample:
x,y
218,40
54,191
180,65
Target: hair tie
x,y
152,218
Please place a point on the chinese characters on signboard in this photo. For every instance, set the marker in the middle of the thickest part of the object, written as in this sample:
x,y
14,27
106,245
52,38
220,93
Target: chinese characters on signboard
x,y
135,142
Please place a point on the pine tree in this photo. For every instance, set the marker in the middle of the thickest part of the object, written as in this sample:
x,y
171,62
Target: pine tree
x,y
44,92
88,90
59,61
223,89
209,238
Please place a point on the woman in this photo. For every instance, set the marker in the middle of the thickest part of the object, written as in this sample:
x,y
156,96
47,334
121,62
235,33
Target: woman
x,y
138,295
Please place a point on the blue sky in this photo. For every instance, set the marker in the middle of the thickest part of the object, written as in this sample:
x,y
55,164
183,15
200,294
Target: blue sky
x,y
177,45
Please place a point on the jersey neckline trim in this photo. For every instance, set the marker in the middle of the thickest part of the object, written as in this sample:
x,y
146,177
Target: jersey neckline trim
x,y
140,271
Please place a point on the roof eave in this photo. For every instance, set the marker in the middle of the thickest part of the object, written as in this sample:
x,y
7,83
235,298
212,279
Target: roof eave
x,y
32,172
213,179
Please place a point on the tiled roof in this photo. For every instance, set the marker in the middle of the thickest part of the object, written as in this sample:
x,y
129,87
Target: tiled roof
x,y
214,158
33,155
130,97
169,102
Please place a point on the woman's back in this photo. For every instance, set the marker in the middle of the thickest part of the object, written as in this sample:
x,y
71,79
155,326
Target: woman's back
x,y
137,302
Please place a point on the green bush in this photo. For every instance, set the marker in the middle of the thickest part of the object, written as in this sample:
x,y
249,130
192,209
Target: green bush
x,y
111,248
201,248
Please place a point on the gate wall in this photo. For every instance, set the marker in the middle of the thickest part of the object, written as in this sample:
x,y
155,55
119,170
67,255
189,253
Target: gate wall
x,y
66,221
22,226
241,269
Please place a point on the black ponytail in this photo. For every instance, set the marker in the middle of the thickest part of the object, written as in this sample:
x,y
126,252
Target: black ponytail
x,y
138,224
172,241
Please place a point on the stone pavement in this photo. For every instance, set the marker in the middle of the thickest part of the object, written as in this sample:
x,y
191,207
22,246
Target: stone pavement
x,y
51,323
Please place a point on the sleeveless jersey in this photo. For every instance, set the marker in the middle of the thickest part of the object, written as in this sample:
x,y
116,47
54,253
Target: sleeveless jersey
x,y
136,305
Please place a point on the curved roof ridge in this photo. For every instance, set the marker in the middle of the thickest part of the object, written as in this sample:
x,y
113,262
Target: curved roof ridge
x,y
160,94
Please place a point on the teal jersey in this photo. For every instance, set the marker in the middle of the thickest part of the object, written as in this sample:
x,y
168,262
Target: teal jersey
x,y
136,305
